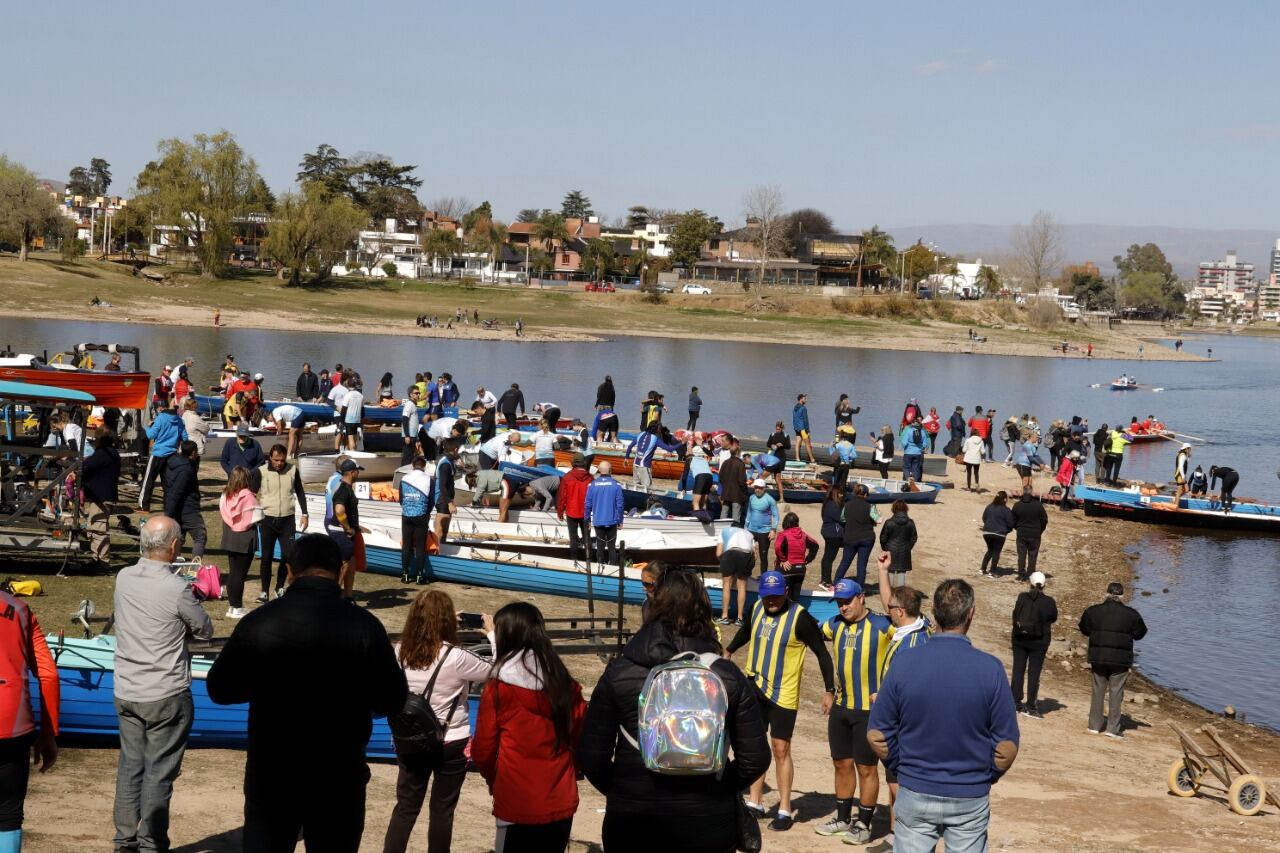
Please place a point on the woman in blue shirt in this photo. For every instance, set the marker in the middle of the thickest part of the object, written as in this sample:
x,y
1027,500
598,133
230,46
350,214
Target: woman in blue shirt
x,y
763,519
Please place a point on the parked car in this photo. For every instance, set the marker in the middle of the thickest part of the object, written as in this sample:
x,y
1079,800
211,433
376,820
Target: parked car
x,y
600,287
696,289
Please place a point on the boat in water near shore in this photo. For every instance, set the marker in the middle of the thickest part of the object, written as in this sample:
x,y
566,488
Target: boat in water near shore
x,y
1134,504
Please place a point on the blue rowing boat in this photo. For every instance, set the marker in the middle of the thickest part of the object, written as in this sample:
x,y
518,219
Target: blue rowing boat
x,y
86,671
1189,511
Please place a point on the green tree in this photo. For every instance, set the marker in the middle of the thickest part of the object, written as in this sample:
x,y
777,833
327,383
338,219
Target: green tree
x,y
637,216
918,263
26,210
1143,291
540,262
79,183
328,168
199,188
384,188
440,243
311,231
489,236
531,214
878,248
71,246
806,224
599,258
481,212
576,206
1145,258
988,279
692,230
100,175
1092,291
551,230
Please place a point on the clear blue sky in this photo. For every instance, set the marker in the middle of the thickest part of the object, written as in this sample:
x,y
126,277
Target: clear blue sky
x,y
1123,113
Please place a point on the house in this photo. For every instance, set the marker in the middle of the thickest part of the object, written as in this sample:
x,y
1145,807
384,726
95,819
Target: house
x,y
566,255
777,271
654,236
736,244
838,257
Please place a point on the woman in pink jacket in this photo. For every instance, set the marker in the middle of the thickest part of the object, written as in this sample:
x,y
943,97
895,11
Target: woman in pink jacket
x,y
794,550
240,513
1066,478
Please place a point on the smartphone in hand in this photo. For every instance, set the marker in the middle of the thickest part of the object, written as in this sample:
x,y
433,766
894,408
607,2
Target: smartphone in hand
x,y
470,621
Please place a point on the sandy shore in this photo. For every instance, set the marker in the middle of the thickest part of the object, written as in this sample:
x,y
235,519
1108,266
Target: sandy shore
x,y
919,336
1069,790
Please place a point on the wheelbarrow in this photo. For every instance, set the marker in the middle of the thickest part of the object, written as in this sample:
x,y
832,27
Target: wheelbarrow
x,y
1246,791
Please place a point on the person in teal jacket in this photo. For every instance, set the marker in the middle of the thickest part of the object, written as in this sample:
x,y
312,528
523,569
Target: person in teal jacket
x,y
166,432
763,518
913,440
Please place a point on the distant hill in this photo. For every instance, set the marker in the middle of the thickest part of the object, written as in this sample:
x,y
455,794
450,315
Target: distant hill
x,y
1184,247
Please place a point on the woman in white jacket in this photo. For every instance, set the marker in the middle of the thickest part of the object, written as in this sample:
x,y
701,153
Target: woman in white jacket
x,y
973,448
428,644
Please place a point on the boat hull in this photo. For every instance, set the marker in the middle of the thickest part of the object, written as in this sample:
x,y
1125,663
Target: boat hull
x,y
109,389
1199,513
318,467
663,469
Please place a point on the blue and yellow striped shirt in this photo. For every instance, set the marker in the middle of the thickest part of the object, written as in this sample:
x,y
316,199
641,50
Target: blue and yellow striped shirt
x,y
775,654
860,650
906,639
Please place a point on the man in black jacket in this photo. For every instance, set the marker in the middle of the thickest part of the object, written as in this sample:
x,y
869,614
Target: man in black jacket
x,y
647,809
1111,627
1030,520
308,386
182,496
511,402
1100,453
100,478
605,397
1033,614
244,452
314,669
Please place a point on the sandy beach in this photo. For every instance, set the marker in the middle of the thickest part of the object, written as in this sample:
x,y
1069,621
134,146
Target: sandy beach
x,y
1069,790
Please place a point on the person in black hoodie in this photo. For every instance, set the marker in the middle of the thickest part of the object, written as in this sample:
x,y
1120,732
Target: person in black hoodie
x,y
182,496
510,404
1033,613
100,478
1030,520
897,537
645,810
314,669
605,396
1100,453
1112,627
997,524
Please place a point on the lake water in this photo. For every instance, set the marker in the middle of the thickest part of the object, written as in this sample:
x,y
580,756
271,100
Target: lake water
x,y
1215,648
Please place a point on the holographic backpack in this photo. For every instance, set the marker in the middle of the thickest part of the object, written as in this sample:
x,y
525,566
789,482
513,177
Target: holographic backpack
x,y
681,722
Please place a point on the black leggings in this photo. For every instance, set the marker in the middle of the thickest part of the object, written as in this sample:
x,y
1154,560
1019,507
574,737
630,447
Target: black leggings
x,y
972,475
534,837
995,544
578,537
15,769
413,545
830,548
636,833
237,570
275,529
762,544
450,770
1030,660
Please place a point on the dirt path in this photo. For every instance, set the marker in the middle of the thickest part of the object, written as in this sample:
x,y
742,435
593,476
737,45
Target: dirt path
x,y
1068,790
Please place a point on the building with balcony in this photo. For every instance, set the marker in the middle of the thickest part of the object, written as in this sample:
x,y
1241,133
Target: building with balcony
x,y
1226,275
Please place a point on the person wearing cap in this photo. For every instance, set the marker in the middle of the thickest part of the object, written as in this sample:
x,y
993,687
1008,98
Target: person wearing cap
x,y
944,721
844,411
307,386
733,486
1198,482
343,526
700,472
776,632
410,426
571,506
1029,520
244,452
1112,628
762,519
288,418
769,463
602,509
736,552
860,640
1033,614
1066,477
1182,470
416,500
844,454
446,475
956,424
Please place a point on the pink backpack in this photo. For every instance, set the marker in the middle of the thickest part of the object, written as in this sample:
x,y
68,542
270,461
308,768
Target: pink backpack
x,y
208,583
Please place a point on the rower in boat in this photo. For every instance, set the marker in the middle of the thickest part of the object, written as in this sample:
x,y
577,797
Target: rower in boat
x,y
1198,483
1230,479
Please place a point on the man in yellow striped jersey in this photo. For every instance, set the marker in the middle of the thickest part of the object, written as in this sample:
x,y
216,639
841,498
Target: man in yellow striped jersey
x,y
861,641
776,632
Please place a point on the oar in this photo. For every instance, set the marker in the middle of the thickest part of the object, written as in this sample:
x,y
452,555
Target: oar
x,y
1192,437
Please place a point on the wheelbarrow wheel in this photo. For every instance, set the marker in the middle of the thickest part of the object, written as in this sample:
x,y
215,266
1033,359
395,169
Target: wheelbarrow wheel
x,y
1183,781
1247,795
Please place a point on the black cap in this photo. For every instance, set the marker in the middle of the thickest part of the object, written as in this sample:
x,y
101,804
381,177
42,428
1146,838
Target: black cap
x,y
348,466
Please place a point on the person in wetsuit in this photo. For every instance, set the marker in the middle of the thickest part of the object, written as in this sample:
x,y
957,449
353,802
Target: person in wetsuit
x,y
1230,479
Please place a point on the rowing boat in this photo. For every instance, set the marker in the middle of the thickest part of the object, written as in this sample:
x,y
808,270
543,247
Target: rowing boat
x,y
1132,504
663,468
86,678
318,467
110,389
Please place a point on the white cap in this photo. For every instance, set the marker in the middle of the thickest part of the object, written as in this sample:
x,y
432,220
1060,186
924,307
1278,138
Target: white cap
x,y
258,376
1037,579
757,484
1186,447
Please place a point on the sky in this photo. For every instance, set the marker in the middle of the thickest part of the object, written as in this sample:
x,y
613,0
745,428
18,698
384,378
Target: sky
x,y
1137,113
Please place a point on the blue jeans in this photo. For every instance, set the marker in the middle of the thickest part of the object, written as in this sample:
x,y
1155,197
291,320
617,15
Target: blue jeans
x,y
153,739
913,467
921,819
863,550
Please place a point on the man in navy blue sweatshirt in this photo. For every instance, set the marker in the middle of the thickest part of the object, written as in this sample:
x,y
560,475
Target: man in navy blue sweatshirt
x,y
945,722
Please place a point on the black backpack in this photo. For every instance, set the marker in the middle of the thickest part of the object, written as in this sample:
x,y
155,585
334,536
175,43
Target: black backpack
x,y
416,730
1026,623
918,436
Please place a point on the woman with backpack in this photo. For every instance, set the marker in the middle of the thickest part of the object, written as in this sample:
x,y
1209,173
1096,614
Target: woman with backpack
x,y
897,537
997,524
832,532
440,674
530,717
650,810
1033,614
794,550
240,511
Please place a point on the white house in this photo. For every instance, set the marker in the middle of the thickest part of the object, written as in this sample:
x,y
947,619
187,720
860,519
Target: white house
x,y
964,282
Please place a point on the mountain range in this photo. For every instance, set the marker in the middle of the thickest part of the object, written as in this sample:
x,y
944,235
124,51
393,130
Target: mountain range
x,y
1185,248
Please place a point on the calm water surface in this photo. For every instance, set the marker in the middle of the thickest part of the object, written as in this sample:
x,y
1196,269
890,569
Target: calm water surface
x,y
1215,648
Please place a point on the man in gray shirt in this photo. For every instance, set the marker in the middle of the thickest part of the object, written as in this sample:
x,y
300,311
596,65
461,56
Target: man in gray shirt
x,y
155,612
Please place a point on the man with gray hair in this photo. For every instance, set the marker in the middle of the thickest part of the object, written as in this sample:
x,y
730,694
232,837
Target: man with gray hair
x,y
1112,627
944,722
155,612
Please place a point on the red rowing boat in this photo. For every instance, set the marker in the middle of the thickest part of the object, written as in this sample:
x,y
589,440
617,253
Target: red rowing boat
x,y
114,390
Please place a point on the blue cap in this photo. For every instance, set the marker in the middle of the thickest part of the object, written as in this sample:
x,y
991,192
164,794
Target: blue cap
x,y
846,588
772,583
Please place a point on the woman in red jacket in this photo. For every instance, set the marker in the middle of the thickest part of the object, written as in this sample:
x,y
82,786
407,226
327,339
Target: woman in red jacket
x,y
530,717
794,550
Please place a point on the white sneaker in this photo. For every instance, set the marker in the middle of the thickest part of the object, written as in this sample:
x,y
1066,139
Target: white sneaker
x,y
859,833
263,597
236,612
835,826
280,592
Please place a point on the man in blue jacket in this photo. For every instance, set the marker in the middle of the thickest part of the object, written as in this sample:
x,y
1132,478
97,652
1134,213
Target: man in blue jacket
x,y
244,452
944,721
603,511
800,423
166,433
913,440
956,424
645,445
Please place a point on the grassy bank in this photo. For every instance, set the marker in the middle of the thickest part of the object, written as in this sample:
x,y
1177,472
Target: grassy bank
x,y
50,287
